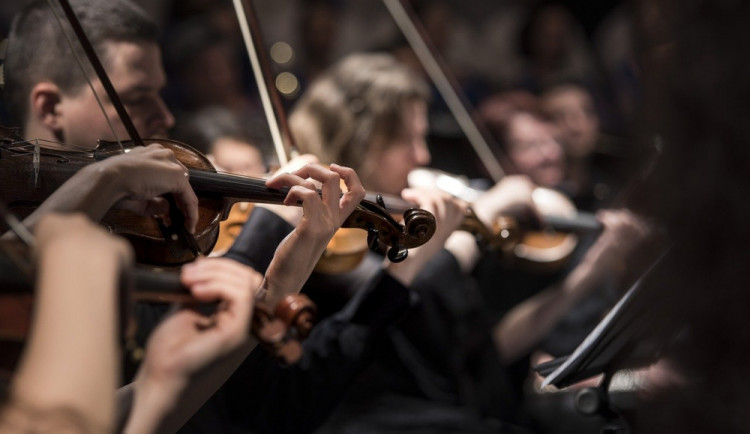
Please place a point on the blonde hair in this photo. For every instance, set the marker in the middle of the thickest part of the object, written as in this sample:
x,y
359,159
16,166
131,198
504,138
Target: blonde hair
x,y
354,110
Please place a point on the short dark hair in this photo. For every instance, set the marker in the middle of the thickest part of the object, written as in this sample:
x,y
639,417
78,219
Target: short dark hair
x,y
38,49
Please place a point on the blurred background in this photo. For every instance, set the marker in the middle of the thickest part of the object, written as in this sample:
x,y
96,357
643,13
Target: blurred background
x,y
492,47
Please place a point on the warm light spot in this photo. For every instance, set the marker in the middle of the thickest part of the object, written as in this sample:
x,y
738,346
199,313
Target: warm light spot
x,y
287,84
282,53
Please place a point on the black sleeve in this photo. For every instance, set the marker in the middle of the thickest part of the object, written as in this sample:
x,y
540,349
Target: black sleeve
x,y
268,397
261,234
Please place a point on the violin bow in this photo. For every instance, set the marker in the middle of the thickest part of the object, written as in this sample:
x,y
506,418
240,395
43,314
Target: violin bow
x,y
175,235
23,234
270,99
447,85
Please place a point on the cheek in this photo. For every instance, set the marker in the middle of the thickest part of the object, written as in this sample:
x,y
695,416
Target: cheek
x,y
525,161
391,170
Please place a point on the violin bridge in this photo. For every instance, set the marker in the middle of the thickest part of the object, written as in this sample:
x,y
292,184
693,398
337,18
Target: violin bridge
x,y
35,162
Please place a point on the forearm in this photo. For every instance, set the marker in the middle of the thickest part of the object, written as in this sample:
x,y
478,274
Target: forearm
x,y
293,262
74,319
162,405
92,191
521,329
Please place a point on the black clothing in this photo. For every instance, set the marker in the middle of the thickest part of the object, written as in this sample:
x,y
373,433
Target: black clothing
x,y
265,396
438,370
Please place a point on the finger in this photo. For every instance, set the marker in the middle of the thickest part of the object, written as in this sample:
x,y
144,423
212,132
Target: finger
x,y
355,191
410,195
155,206
311,201
289,180
331,188
186,199
220,269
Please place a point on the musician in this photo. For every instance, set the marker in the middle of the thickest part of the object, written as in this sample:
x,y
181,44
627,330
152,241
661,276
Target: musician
x,y
54,109
188,356
73,344
447,356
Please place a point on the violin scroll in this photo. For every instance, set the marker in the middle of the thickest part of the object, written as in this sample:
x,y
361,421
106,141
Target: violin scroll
x,y
280,330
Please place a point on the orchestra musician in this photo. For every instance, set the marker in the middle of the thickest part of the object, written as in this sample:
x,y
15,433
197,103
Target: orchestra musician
x,y
447,357
53,104
188,356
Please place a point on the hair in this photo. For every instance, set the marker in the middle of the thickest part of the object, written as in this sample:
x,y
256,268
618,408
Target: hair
x,y
499,110
202,128
38,49
354,109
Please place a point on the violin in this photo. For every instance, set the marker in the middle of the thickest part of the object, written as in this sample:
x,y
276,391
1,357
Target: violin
x,y
279,329
34,172
521,241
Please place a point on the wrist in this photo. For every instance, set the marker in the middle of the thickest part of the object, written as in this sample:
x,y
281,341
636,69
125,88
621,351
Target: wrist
x,y
153,401
108,177
463,246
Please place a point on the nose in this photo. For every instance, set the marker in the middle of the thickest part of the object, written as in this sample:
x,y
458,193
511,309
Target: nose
x,y
420,152
551,150
162,120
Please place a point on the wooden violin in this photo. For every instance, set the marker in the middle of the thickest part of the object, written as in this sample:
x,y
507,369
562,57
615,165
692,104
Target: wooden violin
x,y
538,246
279,329
34,172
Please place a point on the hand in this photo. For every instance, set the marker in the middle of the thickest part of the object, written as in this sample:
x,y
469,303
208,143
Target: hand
x,y
291,214
187,341
147,172
512,195
189,355
449,212
323,214
623,233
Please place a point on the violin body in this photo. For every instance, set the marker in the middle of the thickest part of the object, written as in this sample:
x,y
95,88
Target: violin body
x,y
31,176
230,228
540,250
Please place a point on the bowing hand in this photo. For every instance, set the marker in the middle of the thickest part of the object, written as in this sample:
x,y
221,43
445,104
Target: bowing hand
x,y
146,173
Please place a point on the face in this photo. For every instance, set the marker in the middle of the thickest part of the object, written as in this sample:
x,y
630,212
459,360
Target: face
x,y
534,151
405,153
137,75
572,111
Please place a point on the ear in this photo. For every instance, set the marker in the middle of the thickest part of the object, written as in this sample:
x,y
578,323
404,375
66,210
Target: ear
x,y
44,106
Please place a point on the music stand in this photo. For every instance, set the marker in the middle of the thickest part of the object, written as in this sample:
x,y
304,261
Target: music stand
x,y
632,335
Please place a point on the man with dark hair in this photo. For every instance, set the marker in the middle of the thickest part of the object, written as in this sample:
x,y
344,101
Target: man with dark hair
x,y
47,90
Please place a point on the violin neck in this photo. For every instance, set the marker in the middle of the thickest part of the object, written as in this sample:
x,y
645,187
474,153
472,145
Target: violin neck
x,y
394,204
236,188
582,223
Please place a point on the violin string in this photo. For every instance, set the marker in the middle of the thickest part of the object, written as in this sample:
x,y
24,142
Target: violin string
x,y
36,162
85,75
20,149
